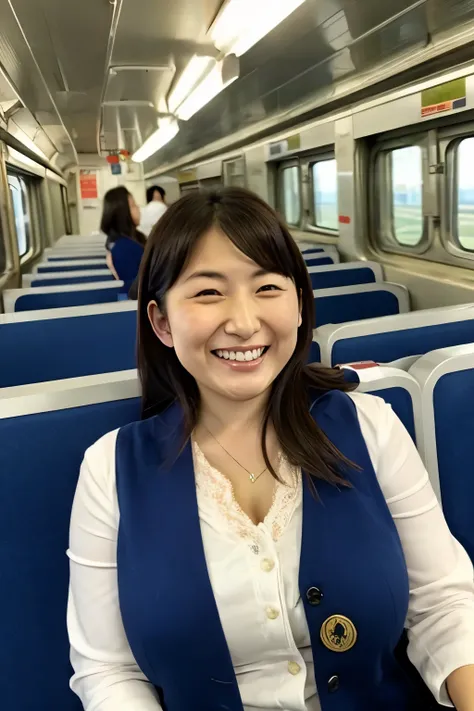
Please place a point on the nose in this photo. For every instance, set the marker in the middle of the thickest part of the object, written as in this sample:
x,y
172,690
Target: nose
x,y
242,319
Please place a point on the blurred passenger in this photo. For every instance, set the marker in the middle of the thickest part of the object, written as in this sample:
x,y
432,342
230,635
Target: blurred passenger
x,y
261,538
156,206
125,242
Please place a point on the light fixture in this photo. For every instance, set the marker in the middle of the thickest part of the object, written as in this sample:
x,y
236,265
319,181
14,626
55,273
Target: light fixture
x,y
242,23
168,128
196,68
218,77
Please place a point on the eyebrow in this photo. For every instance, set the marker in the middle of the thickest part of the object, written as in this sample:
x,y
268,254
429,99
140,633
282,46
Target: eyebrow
x,y
206,274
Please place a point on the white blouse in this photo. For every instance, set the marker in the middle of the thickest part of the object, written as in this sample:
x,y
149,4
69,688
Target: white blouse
x,y
254,576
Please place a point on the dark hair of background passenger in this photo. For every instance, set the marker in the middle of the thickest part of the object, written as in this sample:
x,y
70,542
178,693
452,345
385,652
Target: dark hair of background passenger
x,y
117,219
150,193
257,231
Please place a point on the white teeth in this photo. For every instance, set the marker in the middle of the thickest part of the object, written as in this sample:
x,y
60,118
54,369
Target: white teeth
x,y
241,356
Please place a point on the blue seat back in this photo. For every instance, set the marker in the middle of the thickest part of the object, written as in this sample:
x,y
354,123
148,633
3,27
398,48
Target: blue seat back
x,y
397,336
331,276
359,302
71,280
80,258
72,345
52,297
65,267
40,458
446,377
319,261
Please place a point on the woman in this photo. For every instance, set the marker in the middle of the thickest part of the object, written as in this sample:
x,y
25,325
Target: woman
x,y
125,243
243,582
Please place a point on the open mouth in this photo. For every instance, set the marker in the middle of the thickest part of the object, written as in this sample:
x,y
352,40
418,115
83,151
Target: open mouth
x,y
241,356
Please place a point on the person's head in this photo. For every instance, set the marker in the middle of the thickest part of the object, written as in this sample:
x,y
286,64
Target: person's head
x,y
121,214
155,194
226,314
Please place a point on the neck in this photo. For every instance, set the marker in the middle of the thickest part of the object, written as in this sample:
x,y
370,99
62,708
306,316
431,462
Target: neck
x,y
219,415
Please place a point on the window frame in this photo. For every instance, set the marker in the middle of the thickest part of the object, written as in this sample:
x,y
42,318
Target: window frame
x,y
233,161
382,230
286,165
313,226
449,139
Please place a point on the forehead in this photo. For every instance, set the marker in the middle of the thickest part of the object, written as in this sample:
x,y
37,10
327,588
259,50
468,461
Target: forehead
x,y
215,249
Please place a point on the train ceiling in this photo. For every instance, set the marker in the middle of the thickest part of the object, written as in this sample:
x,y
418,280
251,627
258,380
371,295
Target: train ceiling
x,y
94,75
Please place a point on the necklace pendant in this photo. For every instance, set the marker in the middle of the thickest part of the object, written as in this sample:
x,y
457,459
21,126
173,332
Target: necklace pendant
x,y
252,478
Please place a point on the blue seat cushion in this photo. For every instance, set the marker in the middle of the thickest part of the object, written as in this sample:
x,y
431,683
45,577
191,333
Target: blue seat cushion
x,y
454,427
391,345
341,277
59,299
356,306
54,349
40,457
75,259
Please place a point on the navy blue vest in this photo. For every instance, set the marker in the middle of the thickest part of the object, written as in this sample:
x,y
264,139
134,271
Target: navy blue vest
x,y
350,550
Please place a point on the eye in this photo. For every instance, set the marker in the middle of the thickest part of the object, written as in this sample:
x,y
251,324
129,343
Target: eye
x,y
269,287
208,292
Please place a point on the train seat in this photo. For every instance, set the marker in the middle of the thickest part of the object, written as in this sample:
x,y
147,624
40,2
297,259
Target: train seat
x,y
54,344
350,303
69,266
44,432
316,250
60,278
446,377
334,275
74,258
394,337
55,297
398,388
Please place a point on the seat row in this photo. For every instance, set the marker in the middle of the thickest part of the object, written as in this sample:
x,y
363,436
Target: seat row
x,y
45,429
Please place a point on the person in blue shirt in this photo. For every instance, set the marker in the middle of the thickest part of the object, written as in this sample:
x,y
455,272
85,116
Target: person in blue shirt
x,y
125,243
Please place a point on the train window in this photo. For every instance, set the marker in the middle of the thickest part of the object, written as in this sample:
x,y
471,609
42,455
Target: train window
x,y
19,195
407,189
291,195
324,181
234,172
464,221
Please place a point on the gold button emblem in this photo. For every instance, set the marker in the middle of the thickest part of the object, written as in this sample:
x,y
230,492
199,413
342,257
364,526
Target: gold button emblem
x,y
272,614
338,633
267,565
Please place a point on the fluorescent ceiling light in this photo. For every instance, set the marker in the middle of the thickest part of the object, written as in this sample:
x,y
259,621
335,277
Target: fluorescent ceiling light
x,y
166,132
213,83
194,71
242,23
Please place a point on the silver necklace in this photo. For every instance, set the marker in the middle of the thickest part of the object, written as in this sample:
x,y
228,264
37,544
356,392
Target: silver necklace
x,y
253,477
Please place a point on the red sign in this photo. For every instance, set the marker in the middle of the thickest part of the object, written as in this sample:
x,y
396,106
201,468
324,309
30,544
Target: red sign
x,y
88,183
344,219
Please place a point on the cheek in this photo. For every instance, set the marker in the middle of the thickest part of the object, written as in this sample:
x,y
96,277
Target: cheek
x,y
191,327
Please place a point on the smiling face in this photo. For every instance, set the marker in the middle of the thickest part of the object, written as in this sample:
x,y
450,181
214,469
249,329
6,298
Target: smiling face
x,y
233,325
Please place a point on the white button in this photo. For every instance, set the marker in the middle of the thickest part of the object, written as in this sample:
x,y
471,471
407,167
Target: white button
x,y
267,565
272,614
294,668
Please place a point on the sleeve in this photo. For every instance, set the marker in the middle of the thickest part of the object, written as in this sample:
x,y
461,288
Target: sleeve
x,y
440,618
106,675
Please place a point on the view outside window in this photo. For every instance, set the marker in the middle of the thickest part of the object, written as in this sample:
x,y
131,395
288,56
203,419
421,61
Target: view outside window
x,y
19,197
291,195
407,189
324,181
465,194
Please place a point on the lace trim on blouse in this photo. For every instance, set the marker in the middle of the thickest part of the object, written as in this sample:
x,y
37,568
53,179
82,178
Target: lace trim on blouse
x,y
215,489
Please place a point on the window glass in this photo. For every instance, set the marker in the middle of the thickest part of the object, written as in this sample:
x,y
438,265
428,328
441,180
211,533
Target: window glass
x,y
3,254
324,174
291,195
407,188
465,194
19,195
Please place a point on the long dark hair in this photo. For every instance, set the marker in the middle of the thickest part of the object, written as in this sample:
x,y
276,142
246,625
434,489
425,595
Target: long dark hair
x,y
257,231
117,219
